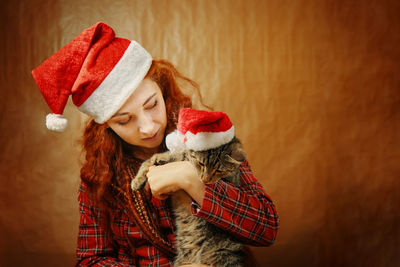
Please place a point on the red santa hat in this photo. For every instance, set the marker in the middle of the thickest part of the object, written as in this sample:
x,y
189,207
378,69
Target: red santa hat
x,y
99,70
200,130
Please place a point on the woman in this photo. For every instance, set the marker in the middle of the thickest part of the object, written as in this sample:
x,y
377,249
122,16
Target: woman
x,y
133,102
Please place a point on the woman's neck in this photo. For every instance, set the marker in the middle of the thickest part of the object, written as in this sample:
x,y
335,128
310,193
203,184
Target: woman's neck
x,y
146,153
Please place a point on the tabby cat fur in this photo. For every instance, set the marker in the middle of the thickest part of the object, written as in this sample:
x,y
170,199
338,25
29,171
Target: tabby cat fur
x,y
197,240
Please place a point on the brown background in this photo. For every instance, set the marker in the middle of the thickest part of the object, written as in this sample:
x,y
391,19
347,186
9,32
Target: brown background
x,y
312,87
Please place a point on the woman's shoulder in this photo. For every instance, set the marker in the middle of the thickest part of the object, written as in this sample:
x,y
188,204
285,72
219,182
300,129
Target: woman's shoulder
x,y
84,197
82,193
83,188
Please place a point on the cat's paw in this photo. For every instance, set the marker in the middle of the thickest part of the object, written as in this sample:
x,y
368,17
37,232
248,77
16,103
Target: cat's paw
x,y
138,183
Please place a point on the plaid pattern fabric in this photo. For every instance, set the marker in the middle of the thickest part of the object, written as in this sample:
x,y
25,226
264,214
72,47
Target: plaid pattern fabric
x,y
246,212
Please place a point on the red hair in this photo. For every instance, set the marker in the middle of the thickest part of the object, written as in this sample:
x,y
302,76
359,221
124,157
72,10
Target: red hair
x,y
105,150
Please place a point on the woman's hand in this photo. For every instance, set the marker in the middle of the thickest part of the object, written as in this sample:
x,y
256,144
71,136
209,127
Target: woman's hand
x,y
171,177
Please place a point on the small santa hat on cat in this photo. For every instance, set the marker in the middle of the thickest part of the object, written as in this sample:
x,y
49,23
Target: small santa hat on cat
x,y
99,70
200,130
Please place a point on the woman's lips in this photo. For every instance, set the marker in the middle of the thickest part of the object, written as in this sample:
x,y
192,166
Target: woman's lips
x,y
154,137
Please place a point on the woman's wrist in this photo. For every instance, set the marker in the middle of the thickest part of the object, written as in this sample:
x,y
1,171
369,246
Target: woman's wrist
x,y
193,185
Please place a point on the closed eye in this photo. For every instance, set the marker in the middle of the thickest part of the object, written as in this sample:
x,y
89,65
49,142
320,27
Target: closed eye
x,y
125,121
153,106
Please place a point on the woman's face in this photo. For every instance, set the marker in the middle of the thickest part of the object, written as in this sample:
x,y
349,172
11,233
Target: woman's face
x,y
142,120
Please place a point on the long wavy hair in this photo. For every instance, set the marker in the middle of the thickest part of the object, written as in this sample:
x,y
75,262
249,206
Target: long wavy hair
x,y
105,150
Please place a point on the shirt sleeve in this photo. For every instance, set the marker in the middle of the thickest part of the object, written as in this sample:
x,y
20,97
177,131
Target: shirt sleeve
x,y
246,212
94,248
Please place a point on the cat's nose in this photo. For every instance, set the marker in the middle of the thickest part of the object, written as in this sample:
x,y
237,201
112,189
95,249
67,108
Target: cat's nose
x,y
204,178
207,179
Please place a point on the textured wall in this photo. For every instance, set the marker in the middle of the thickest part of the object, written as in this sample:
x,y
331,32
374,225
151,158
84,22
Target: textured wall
x,y
312,86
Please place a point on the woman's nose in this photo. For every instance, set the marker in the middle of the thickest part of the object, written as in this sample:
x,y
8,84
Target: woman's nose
x,y
146,124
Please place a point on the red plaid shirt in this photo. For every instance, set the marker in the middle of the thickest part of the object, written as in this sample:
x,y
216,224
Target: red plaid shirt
x,y
245,212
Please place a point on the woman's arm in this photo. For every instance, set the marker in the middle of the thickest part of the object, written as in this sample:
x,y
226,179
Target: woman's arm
x,y
166,179
247,211
94,248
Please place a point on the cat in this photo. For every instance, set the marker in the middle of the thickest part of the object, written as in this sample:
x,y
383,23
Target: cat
x,y
197,240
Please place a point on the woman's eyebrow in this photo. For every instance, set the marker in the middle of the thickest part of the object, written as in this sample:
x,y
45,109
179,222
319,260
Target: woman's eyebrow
x,y
148,99
127,113
120,114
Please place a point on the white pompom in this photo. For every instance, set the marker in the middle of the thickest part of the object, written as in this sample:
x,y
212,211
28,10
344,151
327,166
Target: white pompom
x,y
174,142
56,122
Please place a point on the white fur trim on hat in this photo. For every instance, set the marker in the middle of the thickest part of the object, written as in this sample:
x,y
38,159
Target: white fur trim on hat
x,y
174,142
208,140
56,122
119,84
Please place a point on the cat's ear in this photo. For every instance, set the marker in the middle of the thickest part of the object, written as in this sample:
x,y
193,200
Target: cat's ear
x,y
228,158
237,155
237,152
